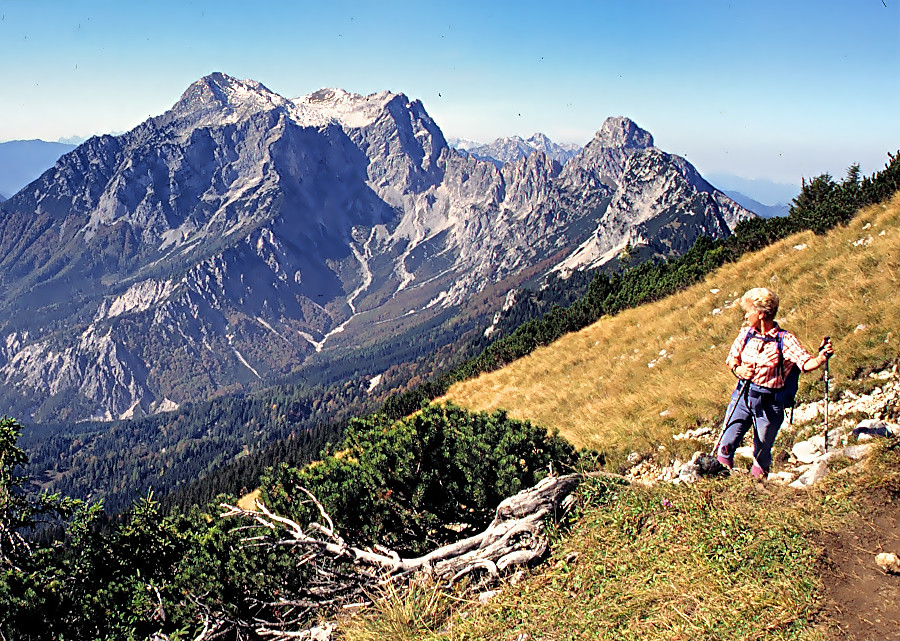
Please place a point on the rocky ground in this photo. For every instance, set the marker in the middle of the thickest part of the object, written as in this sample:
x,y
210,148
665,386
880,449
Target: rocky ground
x,y
809,460
859,564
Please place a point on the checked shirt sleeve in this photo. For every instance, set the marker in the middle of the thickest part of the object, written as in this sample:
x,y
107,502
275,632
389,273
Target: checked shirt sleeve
x,y
734,354
794,351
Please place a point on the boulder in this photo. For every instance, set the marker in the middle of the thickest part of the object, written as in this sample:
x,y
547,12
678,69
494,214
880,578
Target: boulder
x,y
816,472
888,562
808,451
857,452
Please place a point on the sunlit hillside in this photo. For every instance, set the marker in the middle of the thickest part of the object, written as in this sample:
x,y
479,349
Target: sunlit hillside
x,y
631,381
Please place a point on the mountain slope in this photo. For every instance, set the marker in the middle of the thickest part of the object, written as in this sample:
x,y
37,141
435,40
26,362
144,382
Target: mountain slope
x,y
670,560
717,539
219,245
609,386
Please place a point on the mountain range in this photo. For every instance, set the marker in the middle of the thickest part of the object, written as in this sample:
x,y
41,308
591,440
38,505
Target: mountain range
x,y
21,161
221,245
764,211
504,150
767,192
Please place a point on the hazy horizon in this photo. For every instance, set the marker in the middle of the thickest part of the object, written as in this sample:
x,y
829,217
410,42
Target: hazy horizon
x,y
760,91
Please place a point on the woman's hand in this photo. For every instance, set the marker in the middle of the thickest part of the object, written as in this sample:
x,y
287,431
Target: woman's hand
x,y
825,351
743,371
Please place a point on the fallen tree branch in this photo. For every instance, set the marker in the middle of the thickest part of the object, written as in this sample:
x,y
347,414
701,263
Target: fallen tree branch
x,y
515,537
515,534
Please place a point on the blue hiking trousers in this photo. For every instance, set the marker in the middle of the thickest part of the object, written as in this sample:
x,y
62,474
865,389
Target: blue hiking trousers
x,y
756,407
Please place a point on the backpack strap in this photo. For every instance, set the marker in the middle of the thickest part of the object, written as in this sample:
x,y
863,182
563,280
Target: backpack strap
x,y
747,337
779,341
780,344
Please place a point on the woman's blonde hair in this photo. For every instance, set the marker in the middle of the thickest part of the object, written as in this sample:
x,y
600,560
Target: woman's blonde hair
x,y
762,300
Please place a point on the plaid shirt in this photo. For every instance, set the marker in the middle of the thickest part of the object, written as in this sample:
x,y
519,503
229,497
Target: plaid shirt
x,y
762,354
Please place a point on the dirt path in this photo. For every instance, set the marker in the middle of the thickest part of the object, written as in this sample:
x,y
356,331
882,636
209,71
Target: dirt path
x,y
862,603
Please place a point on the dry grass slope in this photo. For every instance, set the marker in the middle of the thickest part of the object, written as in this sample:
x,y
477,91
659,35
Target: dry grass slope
x,y
631,381
720,559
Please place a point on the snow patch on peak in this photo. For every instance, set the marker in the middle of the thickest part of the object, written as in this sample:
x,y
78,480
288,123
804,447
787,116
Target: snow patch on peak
x,y
349,109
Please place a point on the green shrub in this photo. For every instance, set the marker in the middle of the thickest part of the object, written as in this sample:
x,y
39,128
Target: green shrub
x,y
421,481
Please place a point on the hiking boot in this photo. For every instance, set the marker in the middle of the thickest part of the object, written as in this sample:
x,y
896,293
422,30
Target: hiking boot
x,y
758,473
727,462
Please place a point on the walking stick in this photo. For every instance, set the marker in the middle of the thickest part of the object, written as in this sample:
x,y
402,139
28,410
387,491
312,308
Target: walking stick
x,y
741,386
827,360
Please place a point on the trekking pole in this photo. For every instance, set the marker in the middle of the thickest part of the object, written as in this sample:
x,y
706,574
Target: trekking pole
x,y
742,383
827,360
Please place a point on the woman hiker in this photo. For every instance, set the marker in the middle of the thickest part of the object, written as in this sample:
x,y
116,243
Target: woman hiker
x,y
761,357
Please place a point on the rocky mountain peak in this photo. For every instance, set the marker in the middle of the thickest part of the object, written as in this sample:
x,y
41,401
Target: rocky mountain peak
x,y
221,98
620,131
539,140
228,91
602,160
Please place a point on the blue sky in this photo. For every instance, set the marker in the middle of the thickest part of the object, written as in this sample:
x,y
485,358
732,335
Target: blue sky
x,y
771,90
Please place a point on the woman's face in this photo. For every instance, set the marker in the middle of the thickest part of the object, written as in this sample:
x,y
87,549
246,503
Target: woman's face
x,y
752,316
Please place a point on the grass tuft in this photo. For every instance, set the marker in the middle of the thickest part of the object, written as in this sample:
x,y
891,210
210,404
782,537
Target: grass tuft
x,y
400,613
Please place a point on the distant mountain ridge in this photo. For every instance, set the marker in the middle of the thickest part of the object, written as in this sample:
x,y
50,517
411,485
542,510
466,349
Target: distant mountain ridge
x,y
504,150
220,245
766,192
21,161
765,211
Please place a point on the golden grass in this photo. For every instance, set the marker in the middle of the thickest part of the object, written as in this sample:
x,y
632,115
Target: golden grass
x,y
248,501
597,387
400,614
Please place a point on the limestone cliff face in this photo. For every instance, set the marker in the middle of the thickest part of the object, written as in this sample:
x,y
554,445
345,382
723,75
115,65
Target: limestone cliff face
x,y
660,206
223,242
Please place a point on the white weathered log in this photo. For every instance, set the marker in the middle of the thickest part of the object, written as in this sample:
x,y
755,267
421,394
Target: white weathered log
x,y
315,633
515,535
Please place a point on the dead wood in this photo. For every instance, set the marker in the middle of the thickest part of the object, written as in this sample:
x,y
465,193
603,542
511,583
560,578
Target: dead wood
x,y
345,573
514,537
